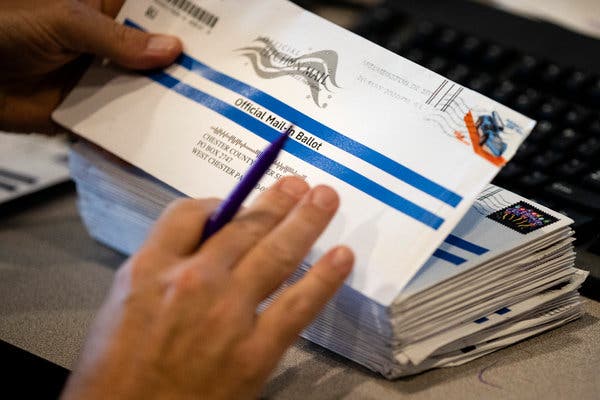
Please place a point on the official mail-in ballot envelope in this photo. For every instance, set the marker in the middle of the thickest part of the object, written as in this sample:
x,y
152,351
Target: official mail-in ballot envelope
x,y
407,149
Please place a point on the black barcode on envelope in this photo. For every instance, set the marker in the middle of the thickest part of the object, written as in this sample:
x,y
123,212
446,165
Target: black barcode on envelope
x,y
196,12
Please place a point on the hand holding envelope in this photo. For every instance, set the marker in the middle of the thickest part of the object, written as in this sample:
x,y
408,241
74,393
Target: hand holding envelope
x,y
178,321
41,60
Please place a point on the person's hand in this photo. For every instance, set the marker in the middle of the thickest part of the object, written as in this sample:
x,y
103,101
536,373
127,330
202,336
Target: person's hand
x,y
41,48
181,322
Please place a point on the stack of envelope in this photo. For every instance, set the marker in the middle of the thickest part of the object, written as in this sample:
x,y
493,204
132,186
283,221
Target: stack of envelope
x,y
505,273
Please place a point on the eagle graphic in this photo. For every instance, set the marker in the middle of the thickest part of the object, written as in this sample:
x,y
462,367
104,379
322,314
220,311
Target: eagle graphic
x,y
317,69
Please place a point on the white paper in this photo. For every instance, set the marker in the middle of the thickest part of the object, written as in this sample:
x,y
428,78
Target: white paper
x,y
367,122
468,312
30,163
479,239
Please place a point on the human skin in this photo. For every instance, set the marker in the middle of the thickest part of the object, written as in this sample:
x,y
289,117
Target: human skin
x,y
46,45
180,321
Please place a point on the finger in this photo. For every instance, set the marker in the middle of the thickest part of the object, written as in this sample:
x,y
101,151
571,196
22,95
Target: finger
x,y
299,304
112,7
179,228
232,242
108,7
275,257
26,107
29,112
81,28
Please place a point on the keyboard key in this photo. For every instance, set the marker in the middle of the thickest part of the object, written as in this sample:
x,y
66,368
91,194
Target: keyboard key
x,y
575,81
447,40
423,33
525,152
504,92
493,56
526,101
571,169
509,171
593,127
544,202
551,75
438,64
396,42
481,83
376,25
525,68
551,109
547,159
592,180
382,15
542,131
565,139
459,73
571,194
594,92
589,148
416,56
469,48
534,179
576,116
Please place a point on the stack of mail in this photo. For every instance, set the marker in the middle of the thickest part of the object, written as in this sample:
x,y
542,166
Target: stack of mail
x,y
485,287
447,268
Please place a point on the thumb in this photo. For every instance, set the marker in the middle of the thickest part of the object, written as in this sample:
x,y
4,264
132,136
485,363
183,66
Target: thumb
x,y
87,30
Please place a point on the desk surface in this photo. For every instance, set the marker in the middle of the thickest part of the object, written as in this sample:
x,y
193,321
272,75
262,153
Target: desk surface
x,y
53,278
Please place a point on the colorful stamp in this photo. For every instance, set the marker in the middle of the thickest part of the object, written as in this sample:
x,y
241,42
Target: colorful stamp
x,y
522,217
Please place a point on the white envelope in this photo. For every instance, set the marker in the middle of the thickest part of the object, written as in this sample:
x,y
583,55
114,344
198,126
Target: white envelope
x,y
407,150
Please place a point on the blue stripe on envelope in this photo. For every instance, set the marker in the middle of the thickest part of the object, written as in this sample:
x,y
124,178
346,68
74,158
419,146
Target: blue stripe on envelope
x,y
316,128
446,256
465,245
297,149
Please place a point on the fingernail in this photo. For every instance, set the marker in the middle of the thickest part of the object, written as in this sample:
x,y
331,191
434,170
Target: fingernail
x,y
324,197
342,259
295,187
161,44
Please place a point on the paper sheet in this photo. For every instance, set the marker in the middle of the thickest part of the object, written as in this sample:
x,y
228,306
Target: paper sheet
x,y
30,163
406,149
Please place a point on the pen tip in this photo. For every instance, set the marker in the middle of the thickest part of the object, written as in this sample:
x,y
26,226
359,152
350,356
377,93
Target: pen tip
x,y
283,137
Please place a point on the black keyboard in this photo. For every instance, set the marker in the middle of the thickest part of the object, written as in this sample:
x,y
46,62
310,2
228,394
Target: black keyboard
x,y
546,72
559,164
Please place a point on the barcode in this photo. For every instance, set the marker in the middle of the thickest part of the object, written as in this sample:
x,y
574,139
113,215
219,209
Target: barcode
x,y
196,12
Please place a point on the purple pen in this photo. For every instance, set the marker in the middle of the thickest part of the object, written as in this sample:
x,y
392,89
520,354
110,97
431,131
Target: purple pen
x,y
230,206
